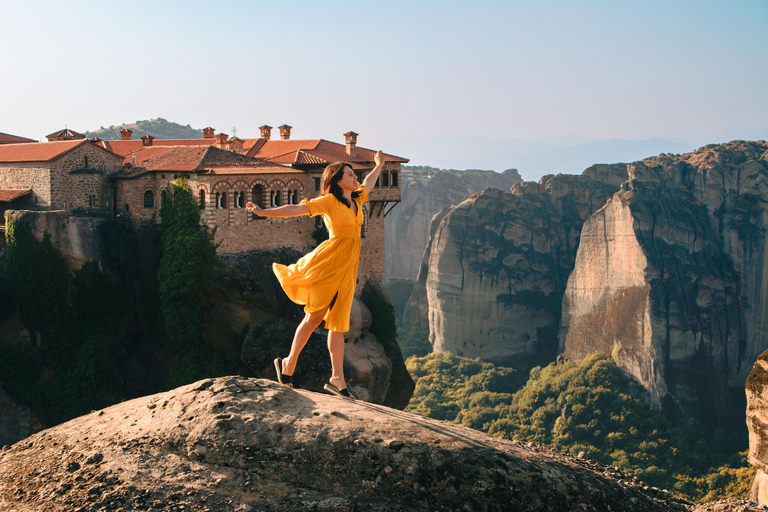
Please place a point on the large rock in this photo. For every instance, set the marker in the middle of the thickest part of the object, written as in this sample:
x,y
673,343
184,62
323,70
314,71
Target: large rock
x,y
670,277
407,225
238,444
496,267
757,423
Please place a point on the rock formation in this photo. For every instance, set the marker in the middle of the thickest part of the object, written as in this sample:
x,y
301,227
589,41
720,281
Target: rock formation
x,y
407,225
670,277
496,267
757,423
237,444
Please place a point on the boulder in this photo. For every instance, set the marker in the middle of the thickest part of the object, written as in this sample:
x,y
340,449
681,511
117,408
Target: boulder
x,y
234,443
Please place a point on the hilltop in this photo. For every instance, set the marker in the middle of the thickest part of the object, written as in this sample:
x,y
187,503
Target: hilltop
x,y
159,128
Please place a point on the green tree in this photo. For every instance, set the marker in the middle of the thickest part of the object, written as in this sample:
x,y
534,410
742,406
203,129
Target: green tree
x,y
188,253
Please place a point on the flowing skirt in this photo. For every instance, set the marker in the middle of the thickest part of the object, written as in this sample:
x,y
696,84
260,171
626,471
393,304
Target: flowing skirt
x,y
328,272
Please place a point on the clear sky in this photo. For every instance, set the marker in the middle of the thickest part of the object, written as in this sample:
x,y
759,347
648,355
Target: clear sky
x,y
393,71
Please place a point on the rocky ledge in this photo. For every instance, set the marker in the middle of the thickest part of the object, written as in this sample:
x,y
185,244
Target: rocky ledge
x,y
242,444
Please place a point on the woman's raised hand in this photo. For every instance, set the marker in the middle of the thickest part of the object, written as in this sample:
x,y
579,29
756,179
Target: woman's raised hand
x,y
378,158
252,207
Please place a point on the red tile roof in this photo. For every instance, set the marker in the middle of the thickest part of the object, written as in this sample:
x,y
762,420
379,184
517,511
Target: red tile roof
x,y
6,196
198,159
124,147
39,151
65,134
313,151
7,138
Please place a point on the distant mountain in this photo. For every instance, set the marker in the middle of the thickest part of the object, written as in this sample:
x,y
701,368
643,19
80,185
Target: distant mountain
x,y
568,154
159,128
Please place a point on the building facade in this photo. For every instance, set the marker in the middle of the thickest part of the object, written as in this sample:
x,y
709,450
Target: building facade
x,y
130,178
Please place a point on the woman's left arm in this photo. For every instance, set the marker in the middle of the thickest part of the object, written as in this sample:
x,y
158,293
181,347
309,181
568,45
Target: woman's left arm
x,y
370,180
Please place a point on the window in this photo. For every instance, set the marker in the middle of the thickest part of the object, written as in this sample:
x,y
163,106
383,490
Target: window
x,y
293,196
149,199
277,198
91,201
202,198
384,179
257,195
317,184
393,181
163,197
221,200
85,162
239,199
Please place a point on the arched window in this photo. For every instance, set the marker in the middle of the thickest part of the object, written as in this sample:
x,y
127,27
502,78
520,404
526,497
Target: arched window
x,y
222,200
163,197
202,198
239,199
277,198
149,199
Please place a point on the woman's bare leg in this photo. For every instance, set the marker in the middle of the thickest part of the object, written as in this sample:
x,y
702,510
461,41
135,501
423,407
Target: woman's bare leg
x,y
310,322
336,348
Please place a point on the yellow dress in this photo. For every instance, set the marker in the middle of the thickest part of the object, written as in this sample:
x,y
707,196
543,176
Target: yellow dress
x,y
331,269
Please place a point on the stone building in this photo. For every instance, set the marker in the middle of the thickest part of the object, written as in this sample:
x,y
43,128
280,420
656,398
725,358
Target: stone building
x,y
129,178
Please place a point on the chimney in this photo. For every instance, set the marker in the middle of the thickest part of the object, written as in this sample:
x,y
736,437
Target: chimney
x,y
221,140
266,132
351,138
126,134
147,140
285,131
208,132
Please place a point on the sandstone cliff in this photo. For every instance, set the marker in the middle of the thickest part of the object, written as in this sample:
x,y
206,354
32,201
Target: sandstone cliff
x,y
496,267
407,225
757,423
237,444
670,277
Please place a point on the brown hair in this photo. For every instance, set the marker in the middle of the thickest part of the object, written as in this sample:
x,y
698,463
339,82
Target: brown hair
x,y
330,182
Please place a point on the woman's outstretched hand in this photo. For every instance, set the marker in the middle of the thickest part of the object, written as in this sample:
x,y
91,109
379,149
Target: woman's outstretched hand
x,y
252,207
378,158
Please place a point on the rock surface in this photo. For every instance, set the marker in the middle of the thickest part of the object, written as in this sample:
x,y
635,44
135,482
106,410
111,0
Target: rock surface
x,y
407,225
757,423
496,267
238,444
671,278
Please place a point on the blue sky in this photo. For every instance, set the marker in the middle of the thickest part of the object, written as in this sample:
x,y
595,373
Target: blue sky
x,y
397,72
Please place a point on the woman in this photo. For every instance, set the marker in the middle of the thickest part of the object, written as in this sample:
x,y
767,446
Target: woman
x,y
324,280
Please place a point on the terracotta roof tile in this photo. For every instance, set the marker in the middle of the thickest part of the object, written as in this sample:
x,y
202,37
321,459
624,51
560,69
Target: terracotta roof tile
x,y
276,148
38,151
7,138
199,159
65,134
11,194
124,147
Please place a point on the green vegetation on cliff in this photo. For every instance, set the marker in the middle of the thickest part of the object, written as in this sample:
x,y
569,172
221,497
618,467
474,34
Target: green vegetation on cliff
x,y
590,406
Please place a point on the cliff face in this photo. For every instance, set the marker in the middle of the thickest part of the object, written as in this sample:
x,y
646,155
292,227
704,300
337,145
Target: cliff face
x,y
757,423
670,278
496,268
407,225
244,444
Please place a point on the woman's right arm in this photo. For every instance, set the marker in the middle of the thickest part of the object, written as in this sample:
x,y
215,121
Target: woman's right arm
x,y
288,210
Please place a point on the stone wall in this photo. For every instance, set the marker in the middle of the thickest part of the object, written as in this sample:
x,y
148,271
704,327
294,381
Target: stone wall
x,y
80,179
34,176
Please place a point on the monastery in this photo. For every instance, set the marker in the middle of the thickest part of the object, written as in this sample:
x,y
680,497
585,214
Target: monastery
x,y
129,178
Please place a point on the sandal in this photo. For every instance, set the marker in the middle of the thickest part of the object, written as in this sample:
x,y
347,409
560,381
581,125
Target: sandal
x,y
282,378
343,393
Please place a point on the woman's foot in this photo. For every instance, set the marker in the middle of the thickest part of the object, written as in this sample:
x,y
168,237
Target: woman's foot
x,y
282,378
334,390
